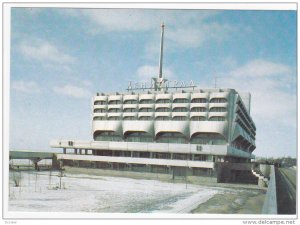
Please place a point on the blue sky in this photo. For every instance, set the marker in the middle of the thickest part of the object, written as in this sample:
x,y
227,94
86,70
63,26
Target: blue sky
x,y
61,57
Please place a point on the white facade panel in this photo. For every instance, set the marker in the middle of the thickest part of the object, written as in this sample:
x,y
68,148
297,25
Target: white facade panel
x,y
130,97
130,106
108,125
164,96
131,160
138,126
164,105
180,105
129,114
186,114
168,114
204,114
112,114
219,95
118,146
147,97
100,106
223,114
141,106
221,104
172,126
219,127
181,95
100,98
198,105
150,114
199,95
100,114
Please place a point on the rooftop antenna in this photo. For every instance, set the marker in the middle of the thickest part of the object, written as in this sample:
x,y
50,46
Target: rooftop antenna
x,y
159,83
161,50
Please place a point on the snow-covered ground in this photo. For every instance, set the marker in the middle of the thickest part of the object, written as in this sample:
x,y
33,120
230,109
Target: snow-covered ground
x,y
38,192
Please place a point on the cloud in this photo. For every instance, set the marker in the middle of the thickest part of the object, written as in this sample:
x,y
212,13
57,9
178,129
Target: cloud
x,y
194,36
72,91
272,86
261,68
187,28
45,52
146,72
25,86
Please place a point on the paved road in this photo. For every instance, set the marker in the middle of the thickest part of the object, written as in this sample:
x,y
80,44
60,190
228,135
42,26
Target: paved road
x,y
286,190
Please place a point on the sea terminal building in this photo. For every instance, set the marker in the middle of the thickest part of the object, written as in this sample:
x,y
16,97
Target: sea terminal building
x,y
159,130
163,130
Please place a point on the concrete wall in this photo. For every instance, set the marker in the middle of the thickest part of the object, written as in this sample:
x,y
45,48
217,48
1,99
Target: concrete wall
x,y
270,204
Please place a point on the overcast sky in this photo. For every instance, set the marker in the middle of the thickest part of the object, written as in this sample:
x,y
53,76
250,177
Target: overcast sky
x,y
61,57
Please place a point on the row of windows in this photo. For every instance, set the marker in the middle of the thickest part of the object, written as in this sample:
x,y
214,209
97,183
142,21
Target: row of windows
x,y
150,101
160,118
162,109
164,137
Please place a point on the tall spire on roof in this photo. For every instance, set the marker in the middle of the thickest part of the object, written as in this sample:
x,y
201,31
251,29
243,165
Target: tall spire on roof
x,y
161,50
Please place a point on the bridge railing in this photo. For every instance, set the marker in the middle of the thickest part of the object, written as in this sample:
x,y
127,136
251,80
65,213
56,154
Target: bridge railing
x,y
270,203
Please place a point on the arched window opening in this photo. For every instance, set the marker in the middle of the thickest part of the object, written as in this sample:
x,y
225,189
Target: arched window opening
x,y
114,102
208,138
217,118
99,118
163,109
99,110
129,118
138,137
130,110
163,101
100,103
107,136
114,118
179,118
146,101
180,100
160,118
198,109
218,100
114,110
218,109
180,109
131,101
199,100
146,110
198,118
145,118
171,137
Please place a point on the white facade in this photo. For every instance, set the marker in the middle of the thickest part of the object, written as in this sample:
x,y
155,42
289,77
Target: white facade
x,y
219,113
191,128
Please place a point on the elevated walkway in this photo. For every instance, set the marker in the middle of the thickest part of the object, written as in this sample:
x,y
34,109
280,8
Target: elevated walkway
x,y
35,157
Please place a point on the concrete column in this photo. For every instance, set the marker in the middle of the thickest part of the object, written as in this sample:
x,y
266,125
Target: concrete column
x,y
80,151
36,167
151,155
193,157
64,150
171,155
131,154
86,151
